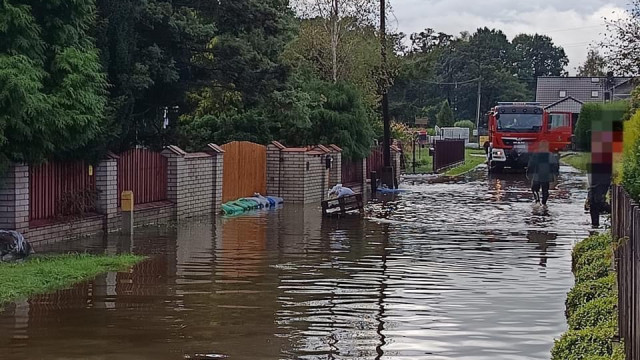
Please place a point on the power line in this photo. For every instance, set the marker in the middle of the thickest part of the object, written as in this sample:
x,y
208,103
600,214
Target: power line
x,y
453,83
575,28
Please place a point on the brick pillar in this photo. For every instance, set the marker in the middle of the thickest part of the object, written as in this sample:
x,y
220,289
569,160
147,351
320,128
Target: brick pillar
x,y
218,175
107,186
14,198
335,176
275,169
176,179
395,162
365,174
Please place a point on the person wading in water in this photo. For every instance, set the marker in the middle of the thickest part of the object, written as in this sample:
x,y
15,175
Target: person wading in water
x,y
542,171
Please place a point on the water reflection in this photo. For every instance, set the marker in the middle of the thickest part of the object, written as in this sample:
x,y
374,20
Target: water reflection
x,y
460,270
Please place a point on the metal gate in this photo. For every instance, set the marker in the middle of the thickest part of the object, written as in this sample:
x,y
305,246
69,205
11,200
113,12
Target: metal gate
x,y
245,170
447,153
145,173
55,188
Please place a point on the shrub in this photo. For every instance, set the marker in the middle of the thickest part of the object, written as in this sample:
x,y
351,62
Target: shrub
x,y
599,267
590,257
587,291
595,313
600,242
593,112
584,344
631,160
465,124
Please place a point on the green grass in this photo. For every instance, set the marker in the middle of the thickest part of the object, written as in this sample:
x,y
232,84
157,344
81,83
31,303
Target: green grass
x,y
579,161
472,160
424,162
46,274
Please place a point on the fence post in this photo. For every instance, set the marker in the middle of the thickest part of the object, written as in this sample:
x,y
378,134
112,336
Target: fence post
x,y
218,175
14,198
275,164
176,178
335,175
107,188
127,212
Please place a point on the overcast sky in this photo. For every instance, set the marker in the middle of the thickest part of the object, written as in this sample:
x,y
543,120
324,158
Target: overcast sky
x,y
573,24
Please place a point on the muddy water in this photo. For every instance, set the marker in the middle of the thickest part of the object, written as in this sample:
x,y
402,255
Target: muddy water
x,y
462,270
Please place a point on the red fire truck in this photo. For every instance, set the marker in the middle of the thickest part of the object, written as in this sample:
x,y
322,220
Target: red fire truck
x,y
516,129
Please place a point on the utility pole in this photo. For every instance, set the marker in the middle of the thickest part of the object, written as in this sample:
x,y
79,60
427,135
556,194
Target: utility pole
x,y
478,113
387,175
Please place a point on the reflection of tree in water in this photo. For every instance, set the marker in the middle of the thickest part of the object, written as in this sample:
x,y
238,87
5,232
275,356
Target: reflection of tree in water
x,y
543,240
330,299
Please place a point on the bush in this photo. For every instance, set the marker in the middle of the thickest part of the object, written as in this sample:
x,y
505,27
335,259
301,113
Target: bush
x,y
598,312
596,242
465,124
631,160
599,266
587,291
590,257
594,112
584,344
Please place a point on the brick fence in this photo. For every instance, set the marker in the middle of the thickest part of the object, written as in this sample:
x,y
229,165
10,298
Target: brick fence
x,y
300,175
194,188
194,184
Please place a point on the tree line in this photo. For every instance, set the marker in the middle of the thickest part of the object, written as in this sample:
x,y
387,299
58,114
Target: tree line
x,y
83,77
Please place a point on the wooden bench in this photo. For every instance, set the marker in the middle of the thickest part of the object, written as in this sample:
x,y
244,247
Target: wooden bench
x,y
343,205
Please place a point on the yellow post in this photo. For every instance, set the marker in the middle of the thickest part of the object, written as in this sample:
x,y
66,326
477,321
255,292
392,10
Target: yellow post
x,y
127,212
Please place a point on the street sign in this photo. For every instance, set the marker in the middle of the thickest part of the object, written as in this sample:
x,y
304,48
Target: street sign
x,y
422,121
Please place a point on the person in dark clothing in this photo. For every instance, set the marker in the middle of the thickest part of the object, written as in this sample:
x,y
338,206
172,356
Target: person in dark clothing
x,y
542,170
606,142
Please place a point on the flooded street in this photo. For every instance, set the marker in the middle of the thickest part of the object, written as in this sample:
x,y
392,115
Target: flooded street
x,y
460,270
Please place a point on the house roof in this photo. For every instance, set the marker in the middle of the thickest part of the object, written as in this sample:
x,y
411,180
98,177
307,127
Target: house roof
x,y
551,89
568,104
563,100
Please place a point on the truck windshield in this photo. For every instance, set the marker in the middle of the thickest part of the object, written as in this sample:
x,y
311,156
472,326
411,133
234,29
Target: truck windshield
x,y
520,122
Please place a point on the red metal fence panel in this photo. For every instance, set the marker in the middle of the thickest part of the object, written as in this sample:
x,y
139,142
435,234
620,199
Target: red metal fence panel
x,y
351,172
145,173
375,162
55,189
447,153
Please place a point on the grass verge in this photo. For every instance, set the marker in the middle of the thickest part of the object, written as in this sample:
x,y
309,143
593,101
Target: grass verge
x,y
473,158
45,274
579,161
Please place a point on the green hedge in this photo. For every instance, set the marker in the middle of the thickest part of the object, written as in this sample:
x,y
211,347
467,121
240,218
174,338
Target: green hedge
x,y
594,243
579,344
593,112
597,267
591,305
631,160
595,313
587,291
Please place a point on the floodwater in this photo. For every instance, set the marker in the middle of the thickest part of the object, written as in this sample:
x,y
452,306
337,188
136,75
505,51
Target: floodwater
x,y
460,270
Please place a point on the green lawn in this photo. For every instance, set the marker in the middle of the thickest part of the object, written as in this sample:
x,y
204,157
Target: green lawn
x,y
579,161
41,275
473,159
424,162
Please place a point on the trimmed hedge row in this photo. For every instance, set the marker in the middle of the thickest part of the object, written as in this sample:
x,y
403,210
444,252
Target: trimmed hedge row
x,y
597,114
591,305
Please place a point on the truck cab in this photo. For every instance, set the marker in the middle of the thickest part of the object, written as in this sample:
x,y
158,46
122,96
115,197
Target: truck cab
x,y
515,129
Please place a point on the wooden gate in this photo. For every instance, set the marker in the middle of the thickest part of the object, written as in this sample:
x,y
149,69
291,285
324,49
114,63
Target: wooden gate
x,y
245,170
